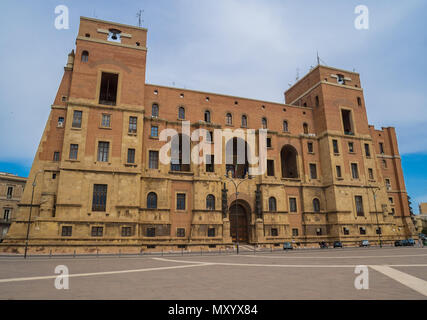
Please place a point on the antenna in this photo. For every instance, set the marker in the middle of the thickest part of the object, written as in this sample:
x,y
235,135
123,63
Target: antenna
x,y
318,59
297,76
139,15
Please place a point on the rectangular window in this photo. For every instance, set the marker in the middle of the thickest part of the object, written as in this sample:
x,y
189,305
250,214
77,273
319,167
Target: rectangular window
x,y
56,156
390,199
211,232
313,171
384,163
371,173
153,162
354,171
105,122
381,148
180,232
378,230
132,124
362,230
131,155
367,151
151,232
268,142
126,231
108,90
310,147
99,201
359,206
209,136
154,131
293,204
274,232
295,232
210,163
319,231
103,150
97,231
180,201
346,231
270,168
346,120
9,192
74,149
67,231
339,175
388,184
350,147
77,119
335,146
6,214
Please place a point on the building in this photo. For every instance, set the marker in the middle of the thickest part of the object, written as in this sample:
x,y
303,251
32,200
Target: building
x,y
11,190
421,219
330,175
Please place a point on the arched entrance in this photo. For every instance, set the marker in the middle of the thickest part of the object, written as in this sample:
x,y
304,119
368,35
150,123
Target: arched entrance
x,y
239,221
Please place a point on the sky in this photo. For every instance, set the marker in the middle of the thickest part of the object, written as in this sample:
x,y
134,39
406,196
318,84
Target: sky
x,y
248,48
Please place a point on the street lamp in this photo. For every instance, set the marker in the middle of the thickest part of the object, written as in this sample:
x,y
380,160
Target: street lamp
x,y
379,231
29,216
236,186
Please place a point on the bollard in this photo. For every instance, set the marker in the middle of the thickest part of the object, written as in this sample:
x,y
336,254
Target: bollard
x,y
120,253
74,254
97,253
254,249
50,253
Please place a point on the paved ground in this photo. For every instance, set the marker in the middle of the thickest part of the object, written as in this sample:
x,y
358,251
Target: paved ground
x,y
394,273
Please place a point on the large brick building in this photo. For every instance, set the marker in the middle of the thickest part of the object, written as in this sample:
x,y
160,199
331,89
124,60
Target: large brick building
x,y
330,176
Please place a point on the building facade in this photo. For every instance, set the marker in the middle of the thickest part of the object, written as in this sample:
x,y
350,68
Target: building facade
x,y
329,174
11,190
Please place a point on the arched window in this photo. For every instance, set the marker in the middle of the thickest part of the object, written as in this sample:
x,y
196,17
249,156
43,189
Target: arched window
x,y
181,113
272,204
152,200
305,128
229,119
210,202
316,205
155,110
244,121
207,116
85,56
285,126
288,157
317,101
264,123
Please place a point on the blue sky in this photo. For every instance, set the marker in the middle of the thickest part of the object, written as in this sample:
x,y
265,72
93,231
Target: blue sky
x,y
246,48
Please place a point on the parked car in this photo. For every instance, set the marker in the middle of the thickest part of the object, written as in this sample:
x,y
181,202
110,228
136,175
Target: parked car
x,y
364,243
405,243
398,243
287,246
323,244
337,244
411,242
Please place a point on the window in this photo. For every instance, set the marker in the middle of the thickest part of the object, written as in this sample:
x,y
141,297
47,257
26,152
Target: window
x,y
180,201
354,171
268,142
335,146
153,162
274,232
313,171
150,232
305,128
85,56
285,126
316,101
131,155
67,231
378,230
295,232
270,168
74,149
244,121
362,230
77,119
53,176
108,90
210,202
293,204
319,231
211,232
371,173
338,171
346,231
229,119
154,131
6,214
316,205
264,123
384,162
207,116
351,147
114,35
310,147
132,124
126,231
359,206
180,232
152,200
289,162
390,199
99,201
381,148
346,119
272,204
388,184
97,231
105,122
155,110
359,101
181,113
209,136
103,150
61,121
180,153
367,151
392,211
210,163
340,79
56,156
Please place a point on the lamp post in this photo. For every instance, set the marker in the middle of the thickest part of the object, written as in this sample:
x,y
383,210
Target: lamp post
x,y
379,231
29,216
236,186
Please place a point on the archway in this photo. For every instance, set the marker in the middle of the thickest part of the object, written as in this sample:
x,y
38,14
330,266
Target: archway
x,y
239,221
288,157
